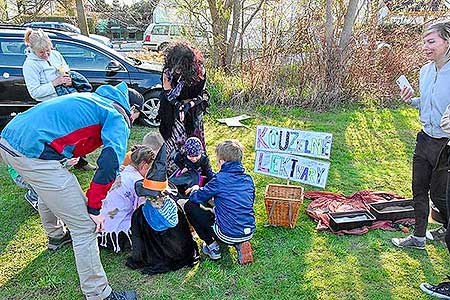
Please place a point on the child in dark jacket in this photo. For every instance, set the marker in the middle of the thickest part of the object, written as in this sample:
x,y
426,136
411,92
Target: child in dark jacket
x,y
193,167
234,193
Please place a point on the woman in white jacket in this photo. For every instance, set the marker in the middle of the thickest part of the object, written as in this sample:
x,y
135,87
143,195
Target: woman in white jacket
x,y
44,68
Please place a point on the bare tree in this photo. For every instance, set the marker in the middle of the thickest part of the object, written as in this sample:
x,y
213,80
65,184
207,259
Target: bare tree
x,y
225,20
336,55
82,22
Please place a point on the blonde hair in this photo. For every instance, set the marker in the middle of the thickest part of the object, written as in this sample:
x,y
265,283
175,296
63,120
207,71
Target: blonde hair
x,y
37,39
443,30
140,154
154,140
230,150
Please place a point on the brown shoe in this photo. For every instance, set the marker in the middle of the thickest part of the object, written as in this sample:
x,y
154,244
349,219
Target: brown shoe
x,y
87,167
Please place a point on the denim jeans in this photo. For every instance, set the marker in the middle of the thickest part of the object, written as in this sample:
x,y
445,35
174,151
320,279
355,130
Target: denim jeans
x,y
429,179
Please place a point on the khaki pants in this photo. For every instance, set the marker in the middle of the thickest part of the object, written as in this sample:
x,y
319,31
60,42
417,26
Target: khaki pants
x,y
60,196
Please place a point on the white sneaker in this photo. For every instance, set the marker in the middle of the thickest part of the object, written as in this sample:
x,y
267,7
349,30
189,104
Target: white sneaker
x,y
437,234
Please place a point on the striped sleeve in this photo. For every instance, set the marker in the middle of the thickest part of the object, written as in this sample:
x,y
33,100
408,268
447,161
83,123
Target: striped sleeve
x,y
169,212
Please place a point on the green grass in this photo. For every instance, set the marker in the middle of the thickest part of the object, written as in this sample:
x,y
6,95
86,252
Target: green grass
x,y
372,149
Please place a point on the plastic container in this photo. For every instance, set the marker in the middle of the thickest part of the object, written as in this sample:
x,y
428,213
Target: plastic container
x,y
393,210
350,219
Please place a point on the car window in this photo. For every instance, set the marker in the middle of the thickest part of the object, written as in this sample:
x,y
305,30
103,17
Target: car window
x,y
79,57
12,53
42,25
160,30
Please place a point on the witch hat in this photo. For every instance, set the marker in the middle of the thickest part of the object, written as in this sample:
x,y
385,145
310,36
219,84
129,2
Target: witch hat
x,y
155,180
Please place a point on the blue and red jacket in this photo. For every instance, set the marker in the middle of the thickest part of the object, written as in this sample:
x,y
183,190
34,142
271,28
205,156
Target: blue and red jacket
x,y
74,125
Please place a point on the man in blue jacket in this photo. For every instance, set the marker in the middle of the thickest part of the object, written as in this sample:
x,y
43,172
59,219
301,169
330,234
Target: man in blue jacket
x,y
233,192
35,143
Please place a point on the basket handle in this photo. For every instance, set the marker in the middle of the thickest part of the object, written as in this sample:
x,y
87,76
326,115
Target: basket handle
x,y
272,209
290,215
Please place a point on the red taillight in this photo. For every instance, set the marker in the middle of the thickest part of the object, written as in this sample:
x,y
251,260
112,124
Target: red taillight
x,y
148,38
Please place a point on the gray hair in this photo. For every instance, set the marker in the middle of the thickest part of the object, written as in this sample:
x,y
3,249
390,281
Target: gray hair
x,y
37,39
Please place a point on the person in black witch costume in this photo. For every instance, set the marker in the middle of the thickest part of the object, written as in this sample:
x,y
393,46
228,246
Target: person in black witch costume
x,y
161,238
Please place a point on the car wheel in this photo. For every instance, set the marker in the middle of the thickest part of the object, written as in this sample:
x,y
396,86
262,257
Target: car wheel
x,y
163,47
150,109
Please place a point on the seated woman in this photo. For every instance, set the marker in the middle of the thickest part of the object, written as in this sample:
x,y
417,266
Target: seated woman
x,y
122,201
161,238
193,166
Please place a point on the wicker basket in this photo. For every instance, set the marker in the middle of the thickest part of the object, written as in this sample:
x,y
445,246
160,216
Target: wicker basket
x,y
283,203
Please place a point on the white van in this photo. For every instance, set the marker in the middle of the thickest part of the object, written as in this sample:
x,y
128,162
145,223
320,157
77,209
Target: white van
x,y
158,35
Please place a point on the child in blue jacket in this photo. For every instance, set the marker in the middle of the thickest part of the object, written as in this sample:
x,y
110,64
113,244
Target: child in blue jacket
x,y
233,219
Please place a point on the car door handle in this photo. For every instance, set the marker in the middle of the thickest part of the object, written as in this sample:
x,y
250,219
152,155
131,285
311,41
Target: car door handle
x,y
19,84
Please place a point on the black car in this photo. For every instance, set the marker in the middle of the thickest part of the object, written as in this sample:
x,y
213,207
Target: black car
x,y
98,63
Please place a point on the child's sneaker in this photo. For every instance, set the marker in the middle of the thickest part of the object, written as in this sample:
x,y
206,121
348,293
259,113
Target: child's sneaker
x,y
31,198
244,251
55,244
212,252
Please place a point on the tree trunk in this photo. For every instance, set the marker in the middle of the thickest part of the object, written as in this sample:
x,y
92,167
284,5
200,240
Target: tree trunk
x,y
349,21
219,17
237,8
82,18
336,62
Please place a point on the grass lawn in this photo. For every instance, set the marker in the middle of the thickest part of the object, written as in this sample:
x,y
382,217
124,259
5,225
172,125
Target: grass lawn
x,y
371,149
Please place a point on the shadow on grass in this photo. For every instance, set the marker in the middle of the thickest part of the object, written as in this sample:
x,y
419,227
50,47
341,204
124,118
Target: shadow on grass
x,y
49,275
14,210
358,267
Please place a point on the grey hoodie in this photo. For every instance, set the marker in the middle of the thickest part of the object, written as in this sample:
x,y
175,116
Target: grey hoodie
x,y
434,99
40,73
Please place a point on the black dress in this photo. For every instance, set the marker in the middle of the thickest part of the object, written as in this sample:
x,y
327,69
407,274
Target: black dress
x,y
161,251
175,132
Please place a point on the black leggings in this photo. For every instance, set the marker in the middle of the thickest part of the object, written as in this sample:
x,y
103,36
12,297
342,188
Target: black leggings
x,y
202,220
429,179
447,235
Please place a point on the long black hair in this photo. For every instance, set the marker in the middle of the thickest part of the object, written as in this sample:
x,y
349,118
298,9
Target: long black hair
x,y
182,60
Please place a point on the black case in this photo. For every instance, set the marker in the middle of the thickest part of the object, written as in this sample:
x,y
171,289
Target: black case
x,y
336,225
392,215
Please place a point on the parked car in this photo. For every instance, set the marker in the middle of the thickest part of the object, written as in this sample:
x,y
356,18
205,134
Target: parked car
x,y
158,35
101,39
70,28
98,63
54,25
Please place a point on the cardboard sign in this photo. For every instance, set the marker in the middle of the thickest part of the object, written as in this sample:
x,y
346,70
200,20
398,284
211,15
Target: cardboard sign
x,y
296,168
285,140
